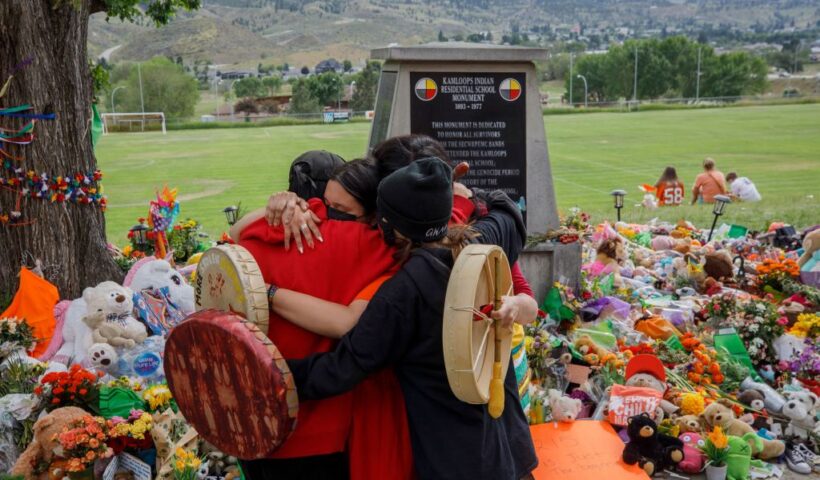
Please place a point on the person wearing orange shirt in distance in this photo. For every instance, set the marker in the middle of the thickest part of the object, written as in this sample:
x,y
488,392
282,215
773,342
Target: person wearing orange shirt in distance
x,y
709,183
669,189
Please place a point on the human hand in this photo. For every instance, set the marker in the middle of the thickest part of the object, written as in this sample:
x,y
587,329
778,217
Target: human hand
x,y
521,309
461,190
281,207
302,224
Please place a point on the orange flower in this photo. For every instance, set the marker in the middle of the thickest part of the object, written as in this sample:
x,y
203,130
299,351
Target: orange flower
x,y
718,438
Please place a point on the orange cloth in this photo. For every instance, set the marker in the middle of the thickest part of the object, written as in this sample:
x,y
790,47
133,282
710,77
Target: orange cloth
x,y
34,302
670,193
379,443
709,184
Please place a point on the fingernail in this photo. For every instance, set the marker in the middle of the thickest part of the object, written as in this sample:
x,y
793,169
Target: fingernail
x,y
321,239
301,250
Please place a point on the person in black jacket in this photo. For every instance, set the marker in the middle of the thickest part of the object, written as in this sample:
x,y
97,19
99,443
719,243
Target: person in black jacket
x,y
402,328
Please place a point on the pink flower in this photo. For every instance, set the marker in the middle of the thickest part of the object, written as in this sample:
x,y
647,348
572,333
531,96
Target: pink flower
x,y
717,307
783,321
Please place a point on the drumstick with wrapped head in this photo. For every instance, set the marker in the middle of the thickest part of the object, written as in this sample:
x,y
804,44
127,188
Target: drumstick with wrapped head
x,y
496,406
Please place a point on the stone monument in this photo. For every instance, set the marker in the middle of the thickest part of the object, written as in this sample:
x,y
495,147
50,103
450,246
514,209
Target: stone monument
x,y
483,104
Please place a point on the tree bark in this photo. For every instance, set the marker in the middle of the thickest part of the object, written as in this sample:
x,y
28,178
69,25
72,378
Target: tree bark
x,y
68,237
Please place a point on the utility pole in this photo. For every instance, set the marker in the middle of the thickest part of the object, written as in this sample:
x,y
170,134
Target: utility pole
x,y
635,78
697,81
142,100
570,79
585,89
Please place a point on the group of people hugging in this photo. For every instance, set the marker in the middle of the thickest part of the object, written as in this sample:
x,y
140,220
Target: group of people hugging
x,y
357,256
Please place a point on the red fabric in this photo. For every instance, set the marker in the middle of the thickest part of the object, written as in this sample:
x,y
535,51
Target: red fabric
x,y
352,256
520,283
34,302
380,435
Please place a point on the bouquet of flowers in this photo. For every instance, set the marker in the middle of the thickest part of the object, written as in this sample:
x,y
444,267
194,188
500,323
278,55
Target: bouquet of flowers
x,y
772,274
758,326
807,325
158,397
84,441
185,239
186,465
720,307
133,432
76,387
806,365
15,334
135,250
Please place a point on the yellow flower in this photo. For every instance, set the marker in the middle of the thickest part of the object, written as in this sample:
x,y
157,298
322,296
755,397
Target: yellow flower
x,y
718,439
180,465
195,463
180,452
692,404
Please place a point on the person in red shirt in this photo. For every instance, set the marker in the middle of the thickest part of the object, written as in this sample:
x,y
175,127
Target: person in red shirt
x,y
336,270
669,189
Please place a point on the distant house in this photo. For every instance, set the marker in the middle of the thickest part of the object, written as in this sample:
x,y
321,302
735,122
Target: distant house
x,y
329,65
236,74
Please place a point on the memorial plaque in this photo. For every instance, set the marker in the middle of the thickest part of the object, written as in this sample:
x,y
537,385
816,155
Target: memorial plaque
x,y
479,118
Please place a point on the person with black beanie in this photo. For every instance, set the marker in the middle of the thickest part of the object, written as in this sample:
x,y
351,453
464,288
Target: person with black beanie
x,y
402,328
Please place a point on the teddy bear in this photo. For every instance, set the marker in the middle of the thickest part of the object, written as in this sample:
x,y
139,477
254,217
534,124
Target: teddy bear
x,y
811,243
609,256
590,350
693,457
104,358
40,452
563,408
689,424
718,265
720,414
647,371
110,315
755,400
156,274
801,409
652,451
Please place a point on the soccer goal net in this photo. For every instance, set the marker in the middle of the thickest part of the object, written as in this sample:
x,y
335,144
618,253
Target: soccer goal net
x,y
133,122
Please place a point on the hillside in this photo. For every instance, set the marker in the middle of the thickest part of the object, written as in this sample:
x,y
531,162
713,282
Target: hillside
x,y
302,32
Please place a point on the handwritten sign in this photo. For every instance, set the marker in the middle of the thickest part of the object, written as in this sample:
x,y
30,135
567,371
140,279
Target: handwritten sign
x,y
625,402
582,449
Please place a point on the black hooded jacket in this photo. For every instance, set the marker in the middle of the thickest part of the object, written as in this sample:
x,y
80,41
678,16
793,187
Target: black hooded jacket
x,y
402,328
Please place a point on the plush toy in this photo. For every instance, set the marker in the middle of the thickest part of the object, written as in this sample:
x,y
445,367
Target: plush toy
x,y
739,462
693,457
756,402
610,255
591,352
801,409
647,371
720,414
651,450
719,265
40,452
103,357
811,243
110,315
76,338
563,408
153,274
663,242
689,424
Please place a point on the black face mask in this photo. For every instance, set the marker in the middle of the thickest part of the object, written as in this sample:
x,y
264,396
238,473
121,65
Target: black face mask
x,y
334,214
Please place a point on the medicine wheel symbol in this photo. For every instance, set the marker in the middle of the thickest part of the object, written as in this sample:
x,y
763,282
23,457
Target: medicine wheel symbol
x,y
510,89
426,89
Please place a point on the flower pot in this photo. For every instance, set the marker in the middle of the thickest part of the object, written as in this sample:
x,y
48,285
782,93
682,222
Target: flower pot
x,y
87,474
716,473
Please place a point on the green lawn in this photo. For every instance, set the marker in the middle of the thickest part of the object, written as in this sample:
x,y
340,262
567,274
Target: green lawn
x,y
778,147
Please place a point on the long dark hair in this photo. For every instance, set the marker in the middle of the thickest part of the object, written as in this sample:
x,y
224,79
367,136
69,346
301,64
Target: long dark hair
x,y
398,152
361,180
669,175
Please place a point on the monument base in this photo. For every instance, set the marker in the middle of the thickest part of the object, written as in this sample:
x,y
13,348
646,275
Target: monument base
x,y
546,263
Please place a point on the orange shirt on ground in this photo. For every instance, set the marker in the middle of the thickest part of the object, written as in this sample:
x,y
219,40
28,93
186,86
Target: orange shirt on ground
x,y
670,193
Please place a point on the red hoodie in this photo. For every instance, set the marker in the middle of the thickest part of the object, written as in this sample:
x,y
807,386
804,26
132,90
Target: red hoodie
x,y
352,256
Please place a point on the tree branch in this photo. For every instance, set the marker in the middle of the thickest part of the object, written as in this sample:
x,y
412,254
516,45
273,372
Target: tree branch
x,y
97,6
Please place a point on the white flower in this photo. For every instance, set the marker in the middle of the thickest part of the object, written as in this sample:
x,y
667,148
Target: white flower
x,y
754,327
758,319
752,350
760,307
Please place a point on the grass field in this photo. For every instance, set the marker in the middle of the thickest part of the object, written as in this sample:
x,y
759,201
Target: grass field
x,y
778,147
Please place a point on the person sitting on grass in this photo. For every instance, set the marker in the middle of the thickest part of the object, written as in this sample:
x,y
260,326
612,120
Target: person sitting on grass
x,y
742,188
709,183
669,189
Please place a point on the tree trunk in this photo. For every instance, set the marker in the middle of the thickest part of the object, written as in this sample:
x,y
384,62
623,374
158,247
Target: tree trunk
x,y
69,238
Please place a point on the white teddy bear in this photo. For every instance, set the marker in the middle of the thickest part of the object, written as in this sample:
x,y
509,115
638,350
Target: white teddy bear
x,y
103,357
110,315
157,274
801,409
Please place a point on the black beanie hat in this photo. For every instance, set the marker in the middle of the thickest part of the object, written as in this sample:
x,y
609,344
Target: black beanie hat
x,y
417,200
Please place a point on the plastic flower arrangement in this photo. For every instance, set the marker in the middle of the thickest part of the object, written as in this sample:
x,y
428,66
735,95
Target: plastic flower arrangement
x,y
185,465
716,447
158,397
84,441
76,387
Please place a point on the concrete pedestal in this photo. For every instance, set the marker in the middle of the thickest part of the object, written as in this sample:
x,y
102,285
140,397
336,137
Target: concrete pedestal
x,y
546,263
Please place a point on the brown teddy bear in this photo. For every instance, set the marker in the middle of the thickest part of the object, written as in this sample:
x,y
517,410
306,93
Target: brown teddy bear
x,y
720,413
689,423
40,451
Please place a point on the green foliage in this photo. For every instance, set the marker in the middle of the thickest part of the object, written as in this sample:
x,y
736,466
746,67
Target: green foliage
x,y
159,11
272,84
347,65
166,88
666,68
364,95
302,99
100,77
325,88
250,87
